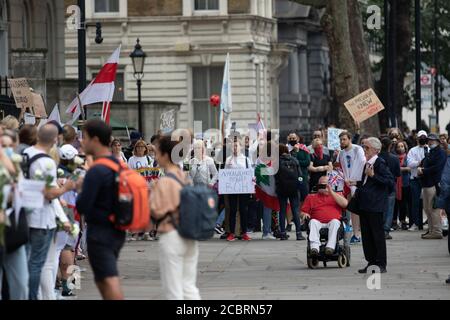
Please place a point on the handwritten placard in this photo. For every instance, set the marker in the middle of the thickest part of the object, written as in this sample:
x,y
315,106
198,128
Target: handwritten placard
x,y
21,92
333,138
38,105
236,181
364,105
167,123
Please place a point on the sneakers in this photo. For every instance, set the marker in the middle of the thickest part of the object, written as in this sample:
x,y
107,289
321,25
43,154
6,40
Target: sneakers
x,y
300,237
231,237
69,293
387,236
355,240
147,237
284,236
404,226
268,237
246,237
432,235
219,230
413,228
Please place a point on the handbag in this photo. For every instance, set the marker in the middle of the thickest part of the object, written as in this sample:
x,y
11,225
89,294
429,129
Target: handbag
x,y
353,204
17,233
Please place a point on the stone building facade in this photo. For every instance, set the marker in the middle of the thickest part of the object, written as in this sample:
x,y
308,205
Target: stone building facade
x,y
32,41
186,42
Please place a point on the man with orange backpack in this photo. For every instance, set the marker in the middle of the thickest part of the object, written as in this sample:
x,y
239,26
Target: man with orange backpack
x,y
113,199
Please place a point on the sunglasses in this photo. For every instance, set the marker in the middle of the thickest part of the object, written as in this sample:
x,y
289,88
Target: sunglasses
x,y
348,158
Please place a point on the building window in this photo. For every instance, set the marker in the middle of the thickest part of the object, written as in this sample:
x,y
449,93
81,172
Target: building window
x,y
206,81
206,5
106,6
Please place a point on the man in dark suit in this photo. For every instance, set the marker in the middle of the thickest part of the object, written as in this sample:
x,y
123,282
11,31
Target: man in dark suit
x,y
373,192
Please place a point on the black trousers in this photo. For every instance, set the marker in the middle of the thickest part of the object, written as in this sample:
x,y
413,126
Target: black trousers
x,y
242,200
403,207
373,240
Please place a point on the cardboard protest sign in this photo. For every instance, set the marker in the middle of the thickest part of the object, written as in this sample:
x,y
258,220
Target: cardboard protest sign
x,y
21,92
364,105
38,105
333,138
236,181
167,121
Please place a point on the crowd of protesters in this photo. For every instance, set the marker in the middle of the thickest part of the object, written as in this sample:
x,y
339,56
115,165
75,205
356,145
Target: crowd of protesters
x,y
401,180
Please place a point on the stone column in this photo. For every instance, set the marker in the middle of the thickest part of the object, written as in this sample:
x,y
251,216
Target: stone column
x,y
293,73
303,70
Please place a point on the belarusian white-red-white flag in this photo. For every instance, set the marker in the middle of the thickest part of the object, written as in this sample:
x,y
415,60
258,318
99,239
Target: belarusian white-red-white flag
x,y
101,89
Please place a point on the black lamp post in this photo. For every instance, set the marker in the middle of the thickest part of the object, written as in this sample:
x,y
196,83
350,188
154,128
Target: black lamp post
x,y
138,58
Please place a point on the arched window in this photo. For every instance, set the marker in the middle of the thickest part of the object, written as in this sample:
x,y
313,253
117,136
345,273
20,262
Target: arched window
x,y
26,26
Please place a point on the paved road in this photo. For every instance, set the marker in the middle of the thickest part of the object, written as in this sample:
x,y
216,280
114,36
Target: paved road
x,y
277,270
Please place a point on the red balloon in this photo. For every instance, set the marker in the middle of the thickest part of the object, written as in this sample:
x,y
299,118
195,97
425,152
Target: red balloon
x,y
214,100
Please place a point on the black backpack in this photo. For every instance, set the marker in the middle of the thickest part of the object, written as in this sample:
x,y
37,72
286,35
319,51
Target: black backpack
x,y
27,162
16,234
197,211
287,176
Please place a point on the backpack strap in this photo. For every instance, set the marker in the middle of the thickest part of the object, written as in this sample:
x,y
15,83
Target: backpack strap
x,y
174,177
111,164
34,159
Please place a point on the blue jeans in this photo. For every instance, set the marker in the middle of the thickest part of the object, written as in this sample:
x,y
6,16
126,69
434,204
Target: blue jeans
x,y
40,240
389,213
267,221
16,271
416,212
221,217
294,202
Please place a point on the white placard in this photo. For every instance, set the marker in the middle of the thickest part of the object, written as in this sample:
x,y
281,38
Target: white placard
x,y
333,138
29,118
30,193
236,181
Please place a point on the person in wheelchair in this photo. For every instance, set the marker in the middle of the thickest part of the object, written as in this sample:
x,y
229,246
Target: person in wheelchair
x,y
323,210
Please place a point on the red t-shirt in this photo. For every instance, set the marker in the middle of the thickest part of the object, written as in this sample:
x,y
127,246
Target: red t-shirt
x,y
322,207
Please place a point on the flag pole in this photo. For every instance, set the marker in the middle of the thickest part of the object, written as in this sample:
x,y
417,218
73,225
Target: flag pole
x,y
81,107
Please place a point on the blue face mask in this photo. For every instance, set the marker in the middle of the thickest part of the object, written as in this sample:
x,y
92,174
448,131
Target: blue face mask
x,y
9,152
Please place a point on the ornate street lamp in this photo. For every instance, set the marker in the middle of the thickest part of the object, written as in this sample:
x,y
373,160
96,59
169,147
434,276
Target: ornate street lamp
x,y
138,58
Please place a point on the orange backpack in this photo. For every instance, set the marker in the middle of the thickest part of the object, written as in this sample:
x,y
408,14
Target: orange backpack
x,y
132,209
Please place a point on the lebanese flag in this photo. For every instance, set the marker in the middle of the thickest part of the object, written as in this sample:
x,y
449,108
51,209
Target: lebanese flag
x,y
265,188
101,89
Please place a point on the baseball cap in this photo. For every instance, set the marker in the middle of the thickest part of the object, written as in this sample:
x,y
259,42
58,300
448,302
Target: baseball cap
x,y
422,133
432,136
67,152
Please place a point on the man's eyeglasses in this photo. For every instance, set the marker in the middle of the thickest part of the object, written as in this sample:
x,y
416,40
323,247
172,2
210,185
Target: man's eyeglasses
x,y
366,148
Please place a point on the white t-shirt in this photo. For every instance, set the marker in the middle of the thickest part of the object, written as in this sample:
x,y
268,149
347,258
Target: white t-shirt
x,y
352,163
140,162
44,218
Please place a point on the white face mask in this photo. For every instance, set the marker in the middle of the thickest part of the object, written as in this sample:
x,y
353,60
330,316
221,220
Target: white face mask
x,y
432,146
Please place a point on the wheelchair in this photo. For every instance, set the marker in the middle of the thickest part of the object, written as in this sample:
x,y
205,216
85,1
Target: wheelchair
x,y
341,253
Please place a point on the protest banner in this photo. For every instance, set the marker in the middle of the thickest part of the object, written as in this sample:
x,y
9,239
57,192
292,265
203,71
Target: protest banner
x,y
333,138
29,118
167,121
21,92
236,181
38,105
364,105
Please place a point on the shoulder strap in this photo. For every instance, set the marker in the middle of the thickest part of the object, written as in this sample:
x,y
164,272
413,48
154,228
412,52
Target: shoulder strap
x,y
34,159
111,164
148,161
246,162
174,177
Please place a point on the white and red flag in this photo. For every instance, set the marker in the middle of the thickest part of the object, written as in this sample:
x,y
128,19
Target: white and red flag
x,y
101,89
